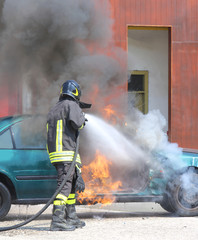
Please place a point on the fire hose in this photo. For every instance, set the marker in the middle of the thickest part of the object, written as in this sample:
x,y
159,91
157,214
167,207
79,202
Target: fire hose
x,y
53,196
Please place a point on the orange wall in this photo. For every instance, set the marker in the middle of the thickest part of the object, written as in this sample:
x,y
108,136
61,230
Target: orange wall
x,y
182,16
4,101
10,98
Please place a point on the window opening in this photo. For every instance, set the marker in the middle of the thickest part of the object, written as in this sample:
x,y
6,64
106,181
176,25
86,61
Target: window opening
x,y
138,90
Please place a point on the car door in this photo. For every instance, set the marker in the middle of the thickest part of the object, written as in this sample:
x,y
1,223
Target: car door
x,y
34,174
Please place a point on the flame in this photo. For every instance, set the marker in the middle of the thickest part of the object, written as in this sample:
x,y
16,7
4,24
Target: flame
x,y
98,181
109,111
97,176
110,114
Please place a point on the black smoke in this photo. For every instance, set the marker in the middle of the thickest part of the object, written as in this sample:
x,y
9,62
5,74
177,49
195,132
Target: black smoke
x,y
44,43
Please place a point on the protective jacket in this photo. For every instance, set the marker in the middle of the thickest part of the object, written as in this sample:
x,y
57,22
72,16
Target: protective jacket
x,y
63,122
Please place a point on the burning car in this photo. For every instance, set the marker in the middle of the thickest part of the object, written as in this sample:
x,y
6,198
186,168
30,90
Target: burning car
x,y
27,176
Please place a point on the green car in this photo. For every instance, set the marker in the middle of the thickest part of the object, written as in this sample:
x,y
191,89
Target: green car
x,y
27,176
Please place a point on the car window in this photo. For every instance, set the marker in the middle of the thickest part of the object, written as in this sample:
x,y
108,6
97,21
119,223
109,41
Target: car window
x,y
6,140
28,136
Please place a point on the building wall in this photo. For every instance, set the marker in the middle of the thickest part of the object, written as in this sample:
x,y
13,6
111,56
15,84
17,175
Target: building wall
x,y
4,100
10,97
182,17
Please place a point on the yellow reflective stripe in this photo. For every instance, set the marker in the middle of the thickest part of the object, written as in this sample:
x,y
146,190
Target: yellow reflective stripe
x,y
47,144
66,157
63,153
62,197
61,91
81,126
79,169
76,93
58,202
47,148
62,160
59,135
72,201
71,195
63,156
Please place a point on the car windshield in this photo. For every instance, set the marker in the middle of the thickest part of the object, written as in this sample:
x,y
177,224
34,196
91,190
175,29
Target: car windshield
x,y
28,134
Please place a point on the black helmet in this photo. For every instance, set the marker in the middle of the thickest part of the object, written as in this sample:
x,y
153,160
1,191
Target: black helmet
x,y
71,88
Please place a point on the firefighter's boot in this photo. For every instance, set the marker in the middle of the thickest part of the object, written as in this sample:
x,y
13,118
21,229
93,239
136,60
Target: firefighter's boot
x,y
58,220
72,217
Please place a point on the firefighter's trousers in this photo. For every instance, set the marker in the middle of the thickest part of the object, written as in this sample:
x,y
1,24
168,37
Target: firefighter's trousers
x,y
67,193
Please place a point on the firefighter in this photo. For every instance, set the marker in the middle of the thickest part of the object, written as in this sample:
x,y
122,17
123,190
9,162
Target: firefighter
x,y
64,121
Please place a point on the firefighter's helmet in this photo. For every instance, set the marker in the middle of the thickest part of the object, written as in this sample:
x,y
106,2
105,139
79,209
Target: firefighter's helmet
x,y
71,88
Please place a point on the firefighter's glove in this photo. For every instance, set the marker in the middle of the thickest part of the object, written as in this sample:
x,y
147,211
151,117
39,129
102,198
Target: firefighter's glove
x,y
80,185
85,121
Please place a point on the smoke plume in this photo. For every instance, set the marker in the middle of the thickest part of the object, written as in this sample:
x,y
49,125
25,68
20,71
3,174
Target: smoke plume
x,y
148,131
44,43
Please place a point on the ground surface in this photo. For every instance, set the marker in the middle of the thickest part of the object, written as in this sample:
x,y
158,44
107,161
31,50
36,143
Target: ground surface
x,y
117,221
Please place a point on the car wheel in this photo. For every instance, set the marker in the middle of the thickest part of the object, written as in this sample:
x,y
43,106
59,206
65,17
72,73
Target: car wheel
x,y
184,193
5,200
166,204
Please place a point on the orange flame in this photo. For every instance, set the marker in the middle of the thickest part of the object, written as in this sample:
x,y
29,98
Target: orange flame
x,y
97,176
110,114
109,111
98,181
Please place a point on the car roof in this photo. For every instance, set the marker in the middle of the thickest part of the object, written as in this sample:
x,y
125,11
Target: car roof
x,y
7,121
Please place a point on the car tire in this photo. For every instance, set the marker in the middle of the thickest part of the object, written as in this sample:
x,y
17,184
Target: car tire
x,y
5,201
184,193
166,204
